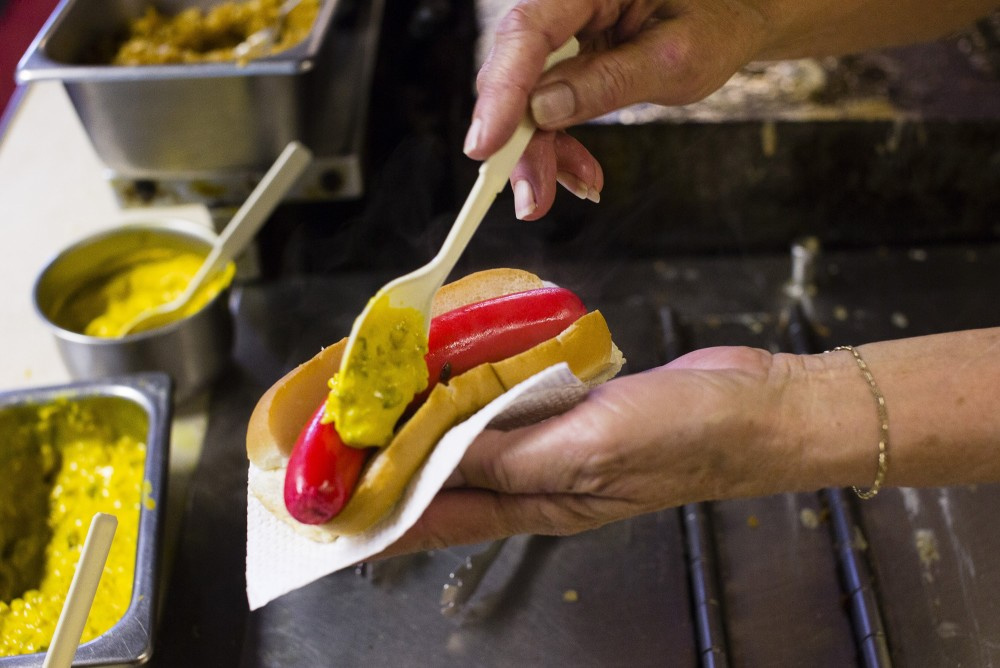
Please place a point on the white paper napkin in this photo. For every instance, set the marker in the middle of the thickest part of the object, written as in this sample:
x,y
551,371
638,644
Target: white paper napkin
x,y
280,560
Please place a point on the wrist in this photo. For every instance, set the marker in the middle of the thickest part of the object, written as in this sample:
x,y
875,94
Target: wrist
x,y
816,28
826,423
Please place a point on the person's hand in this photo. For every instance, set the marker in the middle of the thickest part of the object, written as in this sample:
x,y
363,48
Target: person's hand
x,y
666,52
722,423
683,432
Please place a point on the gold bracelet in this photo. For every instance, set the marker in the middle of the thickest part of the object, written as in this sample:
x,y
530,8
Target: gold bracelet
x,y
883,418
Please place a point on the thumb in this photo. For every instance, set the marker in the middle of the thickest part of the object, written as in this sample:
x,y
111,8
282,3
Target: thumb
x,y
664,64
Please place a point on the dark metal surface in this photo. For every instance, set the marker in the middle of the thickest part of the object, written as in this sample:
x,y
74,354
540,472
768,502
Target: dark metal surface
x,y
848,537
932,552
744,583
594,599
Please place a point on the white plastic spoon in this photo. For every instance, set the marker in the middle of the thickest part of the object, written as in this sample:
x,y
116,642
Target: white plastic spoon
x,y
260,43
416,289
82,589
239,232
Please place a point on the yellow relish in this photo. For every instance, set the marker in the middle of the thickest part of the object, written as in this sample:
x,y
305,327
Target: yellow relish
x,y
386,370
63,462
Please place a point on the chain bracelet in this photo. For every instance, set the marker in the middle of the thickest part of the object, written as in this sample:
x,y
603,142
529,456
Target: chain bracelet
x,y
883,419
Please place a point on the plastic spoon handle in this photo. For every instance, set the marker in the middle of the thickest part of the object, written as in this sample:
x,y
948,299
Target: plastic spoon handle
x,y
82,590
254,212
493,176
416,289
276,182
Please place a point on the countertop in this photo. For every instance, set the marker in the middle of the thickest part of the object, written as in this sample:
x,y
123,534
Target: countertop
x,y
53,192
811,579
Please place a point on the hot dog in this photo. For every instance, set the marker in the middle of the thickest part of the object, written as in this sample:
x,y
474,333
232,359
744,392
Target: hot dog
x,y
491,330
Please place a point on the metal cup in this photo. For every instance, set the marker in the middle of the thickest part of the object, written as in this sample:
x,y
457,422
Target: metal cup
x,y
193,350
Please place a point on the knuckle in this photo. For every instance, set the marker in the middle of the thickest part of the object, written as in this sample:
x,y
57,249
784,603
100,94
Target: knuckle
x,y
564,516
683,77
618,81
523,23
498,472
600,472
429,537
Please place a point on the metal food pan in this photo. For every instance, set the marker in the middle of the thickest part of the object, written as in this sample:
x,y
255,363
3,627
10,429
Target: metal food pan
x,y
141,406
188,119
193,350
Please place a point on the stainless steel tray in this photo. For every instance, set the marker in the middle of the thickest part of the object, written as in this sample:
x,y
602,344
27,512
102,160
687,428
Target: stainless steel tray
x,y
150,121
130,641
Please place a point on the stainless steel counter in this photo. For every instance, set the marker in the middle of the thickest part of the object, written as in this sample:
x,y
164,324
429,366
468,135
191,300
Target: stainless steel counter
x,y
815,579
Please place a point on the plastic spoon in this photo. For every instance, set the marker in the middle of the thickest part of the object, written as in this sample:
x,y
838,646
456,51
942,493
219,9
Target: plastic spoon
x,y
260,43
416,289
238,233
82,589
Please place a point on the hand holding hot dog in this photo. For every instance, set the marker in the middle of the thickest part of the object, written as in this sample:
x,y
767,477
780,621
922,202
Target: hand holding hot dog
x,y
718,423
637,444
723,423
491,331
666,52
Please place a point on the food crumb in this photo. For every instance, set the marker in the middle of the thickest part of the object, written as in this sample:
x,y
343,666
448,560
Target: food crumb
x,y
753,522
809,518
455,644
948,630
927,547
148,502
571,596
769,139
859,542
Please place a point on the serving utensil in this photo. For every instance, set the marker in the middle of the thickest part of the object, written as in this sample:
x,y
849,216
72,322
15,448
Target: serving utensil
x,y
416,289
82,589
259,43
238,233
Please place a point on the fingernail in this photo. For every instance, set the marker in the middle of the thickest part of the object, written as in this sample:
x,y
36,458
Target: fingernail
x,y
553,103
472,136
524,199
571,183
576,186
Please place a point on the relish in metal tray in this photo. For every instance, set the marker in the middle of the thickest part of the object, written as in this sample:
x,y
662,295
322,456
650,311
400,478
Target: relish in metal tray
x,y
197,36
64,461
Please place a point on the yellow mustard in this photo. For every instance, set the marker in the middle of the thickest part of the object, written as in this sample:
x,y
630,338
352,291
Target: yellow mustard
x,y
64,467
144,280
386,370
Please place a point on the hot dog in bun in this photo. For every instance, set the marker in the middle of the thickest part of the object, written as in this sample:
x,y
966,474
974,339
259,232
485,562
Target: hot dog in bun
x,y
490,331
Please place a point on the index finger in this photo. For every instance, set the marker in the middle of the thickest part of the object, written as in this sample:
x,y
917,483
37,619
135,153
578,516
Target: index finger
x,y
524,38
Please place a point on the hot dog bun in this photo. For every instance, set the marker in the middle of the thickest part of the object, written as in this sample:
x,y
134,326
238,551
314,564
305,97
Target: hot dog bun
x,y
274,426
